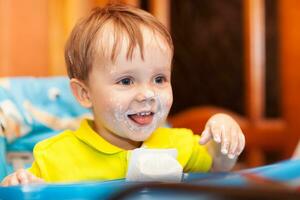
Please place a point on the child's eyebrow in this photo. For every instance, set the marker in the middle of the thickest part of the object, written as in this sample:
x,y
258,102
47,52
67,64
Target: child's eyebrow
x,y
163,68
120,72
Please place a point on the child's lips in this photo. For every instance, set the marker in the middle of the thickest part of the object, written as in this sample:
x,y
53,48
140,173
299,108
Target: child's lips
x,y
142,119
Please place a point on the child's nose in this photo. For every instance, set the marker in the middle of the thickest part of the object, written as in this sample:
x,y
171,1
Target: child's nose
x,y
145,95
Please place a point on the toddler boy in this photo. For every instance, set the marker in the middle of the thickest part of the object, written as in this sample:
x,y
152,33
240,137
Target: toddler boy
x,y
119,63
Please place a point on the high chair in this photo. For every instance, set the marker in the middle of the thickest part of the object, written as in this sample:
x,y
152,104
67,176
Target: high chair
x,y
32,109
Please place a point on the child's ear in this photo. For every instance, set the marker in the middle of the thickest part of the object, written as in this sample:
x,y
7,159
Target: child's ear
x,y
81,92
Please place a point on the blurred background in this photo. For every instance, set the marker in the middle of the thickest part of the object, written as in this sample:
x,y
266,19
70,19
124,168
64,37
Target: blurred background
x,y
240,57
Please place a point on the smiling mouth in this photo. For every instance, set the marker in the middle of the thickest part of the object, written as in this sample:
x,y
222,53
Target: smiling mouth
x,y
142,118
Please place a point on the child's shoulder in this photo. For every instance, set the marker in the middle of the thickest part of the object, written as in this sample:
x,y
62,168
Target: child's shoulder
x,y
61,139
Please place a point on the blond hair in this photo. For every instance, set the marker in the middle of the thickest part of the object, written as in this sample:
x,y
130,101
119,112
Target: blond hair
x,y
81,46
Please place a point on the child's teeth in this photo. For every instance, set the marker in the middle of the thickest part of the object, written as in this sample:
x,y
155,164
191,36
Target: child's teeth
x,y
143,113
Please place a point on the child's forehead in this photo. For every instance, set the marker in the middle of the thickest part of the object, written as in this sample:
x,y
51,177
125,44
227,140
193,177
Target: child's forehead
x,y
112,39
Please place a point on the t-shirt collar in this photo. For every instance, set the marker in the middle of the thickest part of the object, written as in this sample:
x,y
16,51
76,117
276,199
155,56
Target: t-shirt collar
x,y
93,139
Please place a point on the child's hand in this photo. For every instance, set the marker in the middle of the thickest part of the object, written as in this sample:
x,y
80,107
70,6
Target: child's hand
x,y
224,130
21,176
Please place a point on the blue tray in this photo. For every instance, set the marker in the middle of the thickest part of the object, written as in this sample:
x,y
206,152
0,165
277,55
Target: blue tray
x,y
286,172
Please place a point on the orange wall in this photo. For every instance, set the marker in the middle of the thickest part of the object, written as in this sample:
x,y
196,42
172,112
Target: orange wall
x,y
23,37
33,34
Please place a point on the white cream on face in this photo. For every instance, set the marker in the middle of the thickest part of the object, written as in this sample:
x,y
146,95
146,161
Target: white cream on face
x,y
113,102
134,131
135,100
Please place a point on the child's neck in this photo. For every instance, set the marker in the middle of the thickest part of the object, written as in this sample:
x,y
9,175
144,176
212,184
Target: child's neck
x,y
116,140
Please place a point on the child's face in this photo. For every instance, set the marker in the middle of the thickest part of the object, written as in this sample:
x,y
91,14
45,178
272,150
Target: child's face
x,y
131,98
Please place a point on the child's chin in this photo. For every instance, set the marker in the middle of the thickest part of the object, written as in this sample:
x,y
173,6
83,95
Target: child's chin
x,y
140,137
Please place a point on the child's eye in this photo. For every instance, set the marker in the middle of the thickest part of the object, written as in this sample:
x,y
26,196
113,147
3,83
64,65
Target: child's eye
x,y
125,81
160,79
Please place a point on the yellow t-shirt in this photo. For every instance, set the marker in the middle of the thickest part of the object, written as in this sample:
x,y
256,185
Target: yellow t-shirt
x,y
84,155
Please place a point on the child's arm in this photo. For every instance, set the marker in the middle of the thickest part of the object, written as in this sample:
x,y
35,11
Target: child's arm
x,y
21,176
224,140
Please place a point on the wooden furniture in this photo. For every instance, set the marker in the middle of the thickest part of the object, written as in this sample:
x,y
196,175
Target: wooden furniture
x,y
263,135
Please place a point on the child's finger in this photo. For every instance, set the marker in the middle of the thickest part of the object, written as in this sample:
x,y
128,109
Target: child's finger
x,y
241,145
5,181
217,132
34,179
22,176
13,180
205,136
225,141
38,180
234,142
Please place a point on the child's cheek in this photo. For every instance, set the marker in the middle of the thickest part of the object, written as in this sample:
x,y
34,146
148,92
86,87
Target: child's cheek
x,y
166,99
